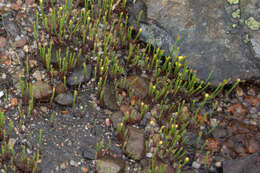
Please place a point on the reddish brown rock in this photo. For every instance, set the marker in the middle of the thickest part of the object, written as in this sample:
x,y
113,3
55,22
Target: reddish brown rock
x,y
2,42
41,91
19,43
29,2
135,145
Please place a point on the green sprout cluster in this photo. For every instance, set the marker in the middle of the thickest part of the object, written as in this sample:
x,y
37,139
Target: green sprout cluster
x,y
99,34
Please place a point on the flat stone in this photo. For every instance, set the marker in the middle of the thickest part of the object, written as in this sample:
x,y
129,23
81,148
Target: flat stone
x,y
60,88
109,164
109,99
135,146
64,99
139,85
89,153
77,76
116,118
41,90
245,164
2,42
208,45
219,133
133,115
19,43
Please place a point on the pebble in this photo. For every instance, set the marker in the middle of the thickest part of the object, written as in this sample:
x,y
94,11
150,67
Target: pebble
x,y
1,94
195,165
73,163
149,155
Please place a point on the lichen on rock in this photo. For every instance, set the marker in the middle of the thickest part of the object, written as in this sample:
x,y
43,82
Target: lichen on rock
x,y
233,1
252,23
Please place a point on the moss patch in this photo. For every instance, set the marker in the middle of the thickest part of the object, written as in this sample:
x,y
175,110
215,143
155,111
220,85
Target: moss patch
x,y
236,14
252,23
233,1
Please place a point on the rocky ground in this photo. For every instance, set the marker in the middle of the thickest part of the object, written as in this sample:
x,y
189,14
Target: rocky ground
x,y
76,132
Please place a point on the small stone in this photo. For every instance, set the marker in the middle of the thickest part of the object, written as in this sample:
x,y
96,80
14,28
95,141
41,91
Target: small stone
x,y
239,92
116,118
12,141
149,155
132,113
73,163
139,85
41,90
219,133
60,88
195,165
14,102
63,165
109,164
218,164
1,94
29,2
108,123
77,76
19,43
64,99
89,153
135,143
2,42
109,99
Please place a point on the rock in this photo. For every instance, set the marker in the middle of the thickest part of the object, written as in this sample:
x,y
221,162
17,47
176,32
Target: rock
x,y
41,91
61,88
248,163
116,118
2,42
135,144
159,165
64,99
110,164
139,85
11,27
109,98
29,2
132,113
195,165
19,43
77,76
219,133
207,44
89,153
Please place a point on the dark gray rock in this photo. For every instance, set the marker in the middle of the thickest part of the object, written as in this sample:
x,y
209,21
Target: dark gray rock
x,y
89,153
64,99
249,163
77,76
208,37
219,133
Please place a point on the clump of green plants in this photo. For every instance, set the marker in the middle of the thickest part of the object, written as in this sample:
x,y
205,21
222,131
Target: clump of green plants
x,y
99,34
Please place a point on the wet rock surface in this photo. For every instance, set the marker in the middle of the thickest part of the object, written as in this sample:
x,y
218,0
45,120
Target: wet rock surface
x,y
249,163
207,44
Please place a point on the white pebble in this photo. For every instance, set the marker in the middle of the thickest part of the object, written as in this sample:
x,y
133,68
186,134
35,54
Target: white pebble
x,y
195,165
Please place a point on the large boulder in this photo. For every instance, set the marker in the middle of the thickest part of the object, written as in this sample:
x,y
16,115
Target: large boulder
x,y
214,35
